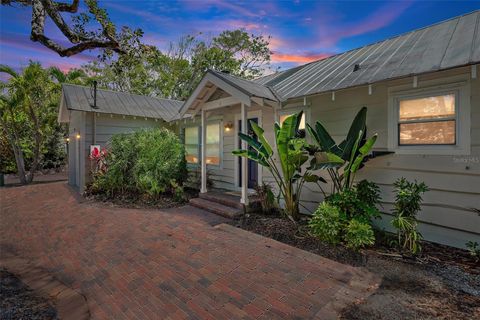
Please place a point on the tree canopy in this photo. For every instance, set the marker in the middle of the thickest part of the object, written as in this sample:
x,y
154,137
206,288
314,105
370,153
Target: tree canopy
x,y
175,72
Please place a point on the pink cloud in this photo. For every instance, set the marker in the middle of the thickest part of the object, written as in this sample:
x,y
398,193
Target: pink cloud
x,y
278,57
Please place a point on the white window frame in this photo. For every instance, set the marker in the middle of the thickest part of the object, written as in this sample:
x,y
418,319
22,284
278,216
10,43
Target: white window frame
x,y
461,90
198,126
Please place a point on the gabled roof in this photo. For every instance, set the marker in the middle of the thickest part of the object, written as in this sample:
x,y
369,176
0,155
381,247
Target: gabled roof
x,y
250,88
80,98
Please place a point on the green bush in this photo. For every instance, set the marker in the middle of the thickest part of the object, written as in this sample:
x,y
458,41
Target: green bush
x,y
147,162
327,223
407,204
359,234
267,200
359,202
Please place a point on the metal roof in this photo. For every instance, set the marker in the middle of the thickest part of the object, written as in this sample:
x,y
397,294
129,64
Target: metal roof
x,y
113,102
250,88
445,45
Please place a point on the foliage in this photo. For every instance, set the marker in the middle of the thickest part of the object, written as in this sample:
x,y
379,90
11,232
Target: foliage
x,y
474,250
266,197
86,29
7,158
407,204
175,73
342,161
147,163
28,118
359,202
327,223
289,177
359,234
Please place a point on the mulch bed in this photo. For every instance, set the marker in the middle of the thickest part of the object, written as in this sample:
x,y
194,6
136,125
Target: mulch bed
x,y
17,301
441,283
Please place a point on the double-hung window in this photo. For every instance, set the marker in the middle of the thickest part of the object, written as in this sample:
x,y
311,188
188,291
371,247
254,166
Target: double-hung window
x,y
427,120
433,120
192,138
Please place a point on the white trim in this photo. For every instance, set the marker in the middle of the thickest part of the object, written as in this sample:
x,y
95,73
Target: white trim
x,y
250,114
462,118
203,162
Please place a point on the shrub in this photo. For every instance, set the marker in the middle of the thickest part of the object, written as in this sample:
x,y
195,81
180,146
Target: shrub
x,y
407,204
474,250
266,197
327,223
359,202
147,162
359,234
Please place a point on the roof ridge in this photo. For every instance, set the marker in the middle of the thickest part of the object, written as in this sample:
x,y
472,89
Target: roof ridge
x,y
122,92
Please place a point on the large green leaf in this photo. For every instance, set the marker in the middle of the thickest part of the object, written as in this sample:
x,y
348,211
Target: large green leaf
x,y
254,144
286,133
259,133
358,124
252,156
325,160
363,152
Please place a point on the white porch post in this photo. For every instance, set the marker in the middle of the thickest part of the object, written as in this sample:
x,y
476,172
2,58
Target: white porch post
x,y
203,188
244,176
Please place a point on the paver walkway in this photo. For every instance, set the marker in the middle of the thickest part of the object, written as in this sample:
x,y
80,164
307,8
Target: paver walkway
x,y
170,264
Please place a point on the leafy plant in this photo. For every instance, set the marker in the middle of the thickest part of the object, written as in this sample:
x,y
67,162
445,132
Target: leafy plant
x,y
342,161
327,223
407,204
359,234
474,250
289,177
359,202
147,162
266,198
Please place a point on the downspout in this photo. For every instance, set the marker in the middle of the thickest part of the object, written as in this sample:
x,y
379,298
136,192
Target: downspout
x,y
94,124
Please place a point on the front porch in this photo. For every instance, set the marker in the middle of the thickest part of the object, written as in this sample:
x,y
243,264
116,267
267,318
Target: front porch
x,y
225,104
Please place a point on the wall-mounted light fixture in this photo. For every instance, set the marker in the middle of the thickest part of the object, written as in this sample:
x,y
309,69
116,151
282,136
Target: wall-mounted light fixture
x,y
67,139
228,126
77,136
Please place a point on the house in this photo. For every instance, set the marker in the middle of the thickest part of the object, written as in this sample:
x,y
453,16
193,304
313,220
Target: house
x,y
422,90
95,115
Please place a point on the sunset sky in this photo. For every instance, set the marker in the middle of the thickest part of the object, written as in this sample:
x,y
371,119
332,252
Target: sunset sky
x,y
301,31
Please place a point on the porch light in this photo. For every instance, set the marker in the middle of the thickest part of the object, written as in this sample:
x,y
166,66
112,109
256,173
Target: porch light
x,y
77,136
228,126
67,139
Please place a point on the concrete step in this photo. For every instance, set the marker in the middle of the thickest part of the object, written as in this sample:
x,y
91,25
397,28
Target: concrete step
x,y
215,207
223,198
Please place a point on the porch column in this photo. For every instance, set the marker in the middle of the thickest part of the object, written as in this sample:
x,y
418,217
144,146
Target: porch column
x,y
244,176
203,160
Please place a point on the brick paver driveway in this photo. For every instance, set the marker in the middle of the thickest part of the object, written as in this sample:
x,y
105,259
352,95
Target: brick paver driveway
x,y
170,264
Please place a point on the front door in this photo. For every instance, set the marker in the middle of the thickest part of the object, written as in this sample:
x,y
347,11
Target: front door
x,y
252,165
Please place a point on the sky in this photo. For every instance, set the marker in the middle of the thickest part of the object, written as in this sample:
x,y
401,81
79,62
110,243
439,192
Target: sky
x,y
301,31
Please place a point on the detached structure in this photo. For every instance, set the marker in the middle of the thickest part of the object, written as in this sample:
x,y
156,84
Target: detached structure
x,y
422,90
93,120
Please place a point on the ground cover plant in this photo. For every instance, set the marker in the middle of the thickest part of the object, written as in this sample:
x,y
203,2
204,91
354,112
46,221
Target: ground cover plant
x,y
147,164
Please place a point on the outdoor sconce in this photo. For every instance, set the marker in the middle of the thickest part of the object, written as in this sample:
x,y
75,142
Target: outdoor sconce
x,y
228,126
77,136
67,139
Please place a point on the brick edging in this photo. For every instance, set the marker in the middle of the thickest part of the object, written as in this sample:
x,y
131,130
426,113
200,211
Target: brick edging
x,y
69,303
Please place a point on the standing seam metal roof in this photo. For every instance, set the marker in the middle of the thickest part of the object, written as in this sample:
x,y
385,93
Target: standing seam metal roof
x,y
113,102
448,44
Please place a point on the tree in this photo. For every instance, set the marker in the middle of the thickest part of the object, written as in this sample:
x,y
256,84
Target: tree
x,y
80,34
175,73
28,112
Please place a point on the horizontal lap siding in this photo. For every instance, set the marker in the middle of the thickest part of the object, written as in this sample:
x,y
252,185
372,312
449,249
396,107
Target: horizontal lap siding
x,y
454,180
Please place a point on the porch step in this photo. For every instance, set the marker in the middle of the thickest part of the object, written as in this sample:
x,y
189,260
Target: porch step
x,y
215,207
226,199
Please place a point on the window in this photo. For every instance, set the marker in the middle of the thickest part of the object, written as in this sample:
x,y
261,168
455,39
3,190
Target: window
x,y
213,144
432,119
284,116
192,151
427,121
193,143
